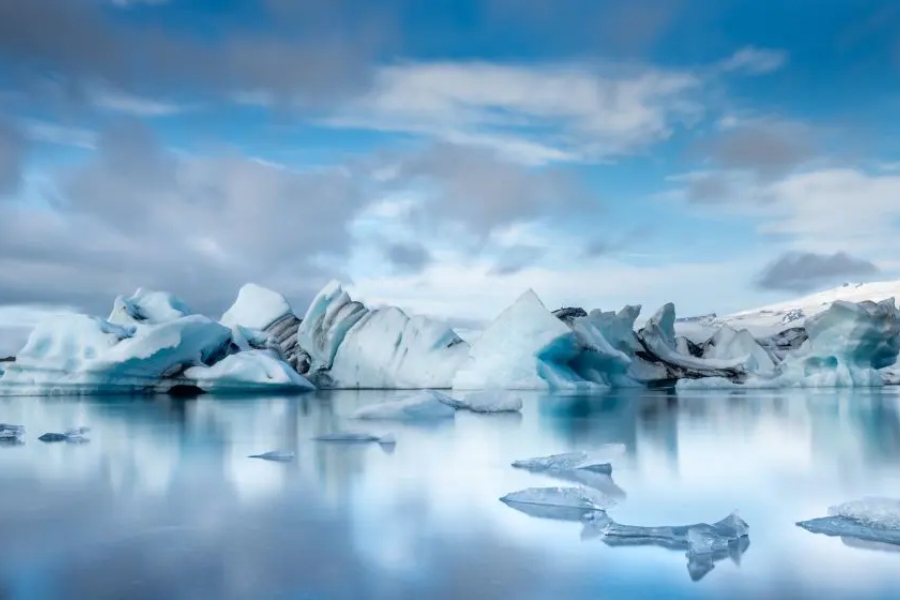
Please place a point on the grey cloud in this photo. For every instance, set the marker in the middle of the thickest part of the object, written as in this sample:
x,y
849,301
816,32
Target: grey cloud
x,y
804,271
516,258
768,149
12,155
481,189
80,44
709,188
140,215
409,258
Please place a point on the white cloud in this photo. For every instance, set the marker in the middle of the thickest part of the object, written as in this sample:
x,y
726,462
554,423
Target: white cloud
x,y
534,114
109,99
54,133
130,3
754,61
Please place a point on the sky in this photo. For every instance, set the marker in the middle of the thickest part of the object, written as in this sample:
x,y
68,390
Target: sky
x,y
446,156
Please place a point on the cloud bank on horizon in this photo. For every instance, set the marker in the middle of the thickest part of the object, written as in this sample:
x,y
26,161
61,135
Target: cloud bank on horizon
x,y
713,154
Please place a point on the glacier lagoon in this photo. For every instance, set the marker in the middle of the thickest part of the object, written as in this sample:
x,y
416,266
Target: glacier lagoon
x,y
163,500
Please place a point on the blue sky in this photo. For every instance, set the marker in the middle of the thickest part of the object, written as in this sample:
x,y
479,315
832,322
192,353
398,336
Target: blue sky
x,y
445,156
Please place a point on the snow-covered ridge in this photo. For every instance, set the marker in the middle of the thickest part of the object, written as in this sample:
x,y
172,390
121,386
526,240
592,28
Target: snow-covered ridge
x,y
153,341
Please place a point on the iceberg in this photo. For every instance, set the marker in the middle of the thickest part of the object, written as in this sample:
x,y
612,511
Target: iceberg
x,y
566,461
427,405
11,434
75,435
730,529
525,348
148,307
81,354
256,307
350,346
491,401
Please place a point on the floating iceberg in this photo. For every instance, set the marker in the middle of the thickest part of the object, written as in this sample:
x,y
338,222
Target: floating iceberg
x,y
566,461
578,498
426,405
730,529
350,346
75,435
870,519
11,434
491,401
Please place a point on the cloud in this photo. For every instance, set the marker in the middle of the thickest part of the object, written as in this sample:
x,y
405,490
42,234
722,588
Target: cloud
x,y
482,190
125,103
408,257
804,271
754,61
138,214
13,148
591,112
79,44
516,258
765,147
55,133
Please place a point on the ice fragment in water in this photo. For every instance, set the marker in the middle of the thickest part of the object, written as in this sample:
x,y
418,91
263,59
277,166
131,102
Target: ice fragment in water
x,y
870,519
701,541
490,401
424,405
275,455
351,437
565,497
566,461
11,433
729,529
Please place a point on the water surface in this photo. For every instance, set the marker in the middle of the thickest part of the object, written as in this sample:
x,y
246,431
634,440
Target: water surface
x,y
164,503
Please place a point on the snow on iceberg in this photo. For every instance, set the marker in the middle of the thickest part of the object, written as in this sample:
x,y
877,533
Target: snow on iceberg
x,y
256,307
426,405
252,370
350,346
525,348
148,307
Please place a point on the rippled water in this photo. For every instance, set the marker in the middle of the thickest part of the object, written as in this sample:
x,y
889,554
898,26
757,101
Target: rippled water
x,y
164,503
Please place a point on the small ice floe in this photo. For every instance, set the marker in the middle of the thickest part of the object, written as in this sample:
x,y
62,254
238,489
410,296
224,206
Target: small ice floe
x,y
275,455
705,544
11,434
875,520
75,435
489,401
426,405
559,503
584,468
352,437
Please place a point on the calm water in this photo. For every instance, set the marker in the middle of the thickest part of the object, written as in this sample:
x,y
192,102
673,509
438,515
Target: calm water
x,y
164,503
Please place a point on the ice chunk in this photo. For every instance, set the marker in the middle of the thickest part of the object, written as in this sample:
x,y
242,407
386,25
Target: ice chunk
x,y
75,435
564,497
82,354
11,433
491,401
252,370
702,541
350,346
256,307
389,350
275,455
350,437
525,348
729,529
869,519
728,343
565,462
424,405
148,307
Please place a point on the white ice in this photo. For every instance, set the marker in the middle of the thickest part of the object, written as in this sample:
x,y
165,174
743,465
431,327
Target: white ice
x,y
728,343
251,370
596,461
561,497
82,354
148,307
489,401
872,512
426,405
256,307
525,348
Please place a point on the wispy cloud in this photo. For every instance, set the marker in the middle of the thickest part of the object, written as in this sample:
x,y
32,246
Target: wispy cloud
x,y
754,61
123,102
